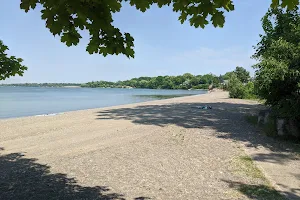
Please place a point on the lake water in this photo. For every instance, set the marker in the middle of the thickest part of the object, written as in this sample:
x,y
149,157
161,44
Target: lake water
x,y
29,101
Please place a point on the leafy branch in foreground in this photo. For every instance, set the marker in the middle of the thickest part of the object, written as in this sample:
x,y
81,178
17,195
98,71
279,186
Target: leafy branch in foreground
x,y
9,66
66,17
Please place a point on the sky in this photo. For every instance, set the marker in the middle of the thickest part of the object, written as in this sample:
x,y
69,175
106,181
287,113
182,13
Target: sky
x,y
163,46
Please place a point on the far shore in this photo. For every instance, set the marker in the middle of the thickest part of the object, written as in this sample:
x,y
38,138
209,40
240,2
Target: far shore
x,y
78,86
72,86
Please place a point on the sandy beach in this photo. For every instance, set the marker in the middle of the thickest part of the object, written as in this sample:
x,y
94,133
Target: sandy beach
x,y
165,149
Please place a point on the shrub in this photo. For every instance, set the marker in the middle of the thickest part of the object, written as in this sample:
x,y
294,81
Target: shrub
x,y
239,90
236,88
250,92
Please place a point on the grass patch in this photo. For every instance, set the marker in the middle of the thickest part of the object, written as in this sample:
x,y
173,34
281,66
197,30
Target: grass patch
x,y
249,168
246,167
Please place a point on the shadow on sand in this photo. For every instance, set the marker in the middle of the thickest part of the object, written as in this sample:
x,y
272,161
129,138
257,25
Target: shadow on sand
x,y
24,178
227,119
255,191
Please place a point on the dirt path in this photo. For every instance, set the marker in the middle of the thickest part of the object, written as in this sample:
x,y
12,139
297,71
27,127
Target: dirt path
x,y
166,149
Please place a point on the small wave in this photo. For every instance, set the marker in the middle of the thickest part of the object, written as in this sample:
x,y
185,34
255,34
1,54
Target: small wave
x,y
50,114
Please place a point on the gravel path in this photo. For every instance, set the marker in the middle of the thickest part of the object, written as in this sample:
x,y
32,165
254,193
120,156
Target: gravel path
x,y
166,149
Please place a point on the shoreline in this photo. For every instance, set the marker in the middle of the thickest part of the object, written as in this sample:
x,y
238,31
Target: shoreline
x,y
89,109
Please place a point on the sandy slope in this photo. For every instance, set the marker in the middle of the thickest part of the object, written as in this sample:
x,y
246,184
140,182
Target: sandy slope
x,y
165,149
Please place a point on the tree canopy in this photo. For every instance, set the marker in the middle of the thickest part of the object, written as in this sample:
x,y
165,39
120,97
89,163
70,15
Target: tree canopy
x,y
242,74
9,65
66,17
278,53
185,81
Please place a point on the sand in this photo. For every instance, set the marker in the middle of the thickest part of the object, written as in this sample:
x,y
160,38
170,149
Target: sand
x,y
165,149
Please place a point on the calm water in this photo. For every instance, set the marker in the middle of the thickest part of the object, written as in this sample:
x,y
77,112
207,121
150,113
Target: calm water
x,y
28,101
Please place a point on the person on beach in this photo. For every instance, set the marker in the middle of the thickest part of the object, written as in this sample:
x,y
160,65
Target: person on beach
x,y
210,88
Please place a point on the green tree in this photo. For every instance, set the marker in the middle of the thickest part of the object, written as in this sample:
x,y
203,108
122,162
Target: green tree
x,y
240,90
195,81
242,74
178,80
207,79
278,70
133,83
227,75
144,83
216,81
153,83
235,87
9,65
162,82
250,92
188,76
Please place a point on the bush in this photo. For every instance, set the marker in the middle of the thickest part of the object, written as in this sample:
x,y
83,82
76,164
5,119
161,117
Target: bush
x,y
250,92
236,88
239,90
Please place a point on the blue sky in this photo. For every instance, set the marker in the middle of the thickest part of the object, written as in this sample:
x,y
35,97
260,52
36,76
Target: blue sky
x,y
163,45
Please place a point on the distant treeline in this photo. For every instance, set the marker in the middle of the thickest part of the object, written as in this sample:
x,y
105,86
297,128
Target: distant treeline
x,y
185,81
42,84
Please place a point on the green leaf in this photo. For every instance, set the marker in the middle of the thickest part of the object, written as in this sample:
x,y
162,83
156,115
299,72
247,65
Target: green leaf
x,y
141,5
275,3
218,19
182,18
290,4
92,48
64,38
229,6
198,21
10,66
129,52
28,4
